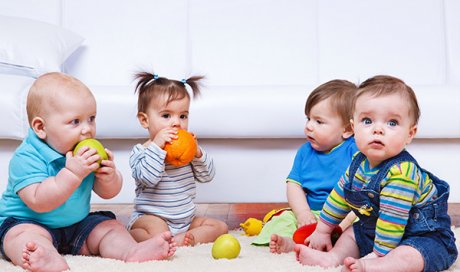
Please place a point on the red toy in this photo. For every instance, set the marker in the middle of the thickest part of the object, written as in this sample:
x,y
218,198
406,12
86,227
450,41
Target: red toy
x,y
304,232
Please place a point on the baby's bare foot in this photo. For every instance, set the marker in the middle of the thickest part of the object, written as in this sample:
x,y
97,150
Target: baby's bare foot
x,y
309,256
189,239
351,264
36,258
279,244
159,247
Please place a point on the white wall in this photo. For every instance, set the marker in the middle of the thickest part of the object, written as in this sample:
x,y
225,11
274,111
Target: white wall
x,y
261,59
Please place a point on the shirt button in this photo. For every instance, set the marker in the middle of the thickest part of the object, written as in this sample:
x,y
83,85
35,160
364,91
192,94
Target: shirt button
x,y
416,215
371,195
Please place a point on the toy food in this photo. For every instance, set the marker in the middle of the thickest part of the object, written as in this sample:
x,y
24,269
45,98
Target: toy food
x,y
182,150
226,246
92,143
304,232
274,212
252,226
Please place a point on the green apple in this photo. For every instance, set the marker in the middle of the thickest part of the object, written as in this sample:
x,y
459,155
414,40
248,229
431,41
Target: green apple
x,y
92,143
226,246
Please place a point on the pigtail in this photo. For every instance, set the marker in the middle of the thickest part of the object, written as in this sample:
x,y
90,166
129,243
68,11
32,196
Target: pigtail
x,y
194,84
144,78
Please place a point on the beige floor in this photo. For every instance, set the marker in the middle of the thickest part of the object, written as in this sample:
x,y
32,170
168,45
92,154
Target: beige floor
x,y
235,213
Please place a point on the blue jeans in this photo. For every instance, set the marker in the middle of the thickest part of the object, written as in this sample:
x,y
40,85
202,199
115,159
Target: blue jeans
x,y
67,240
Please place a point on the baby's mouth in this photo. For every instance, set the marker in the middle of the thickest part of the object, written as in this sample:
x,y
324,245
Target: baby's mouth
x,y
376,143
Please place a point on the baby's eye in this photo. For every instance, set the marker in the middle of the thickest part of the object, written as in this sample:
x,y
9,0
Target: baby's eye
x,y
366,121
308,118
166,115
392,123
75,122
184,116
92,119
319,122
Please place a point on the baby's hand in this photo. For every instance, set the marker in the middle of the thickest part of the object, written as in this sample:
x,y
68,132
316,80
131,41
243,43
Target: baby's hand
x,y
107,172
82,163
319,240
164,136
198,152
305,219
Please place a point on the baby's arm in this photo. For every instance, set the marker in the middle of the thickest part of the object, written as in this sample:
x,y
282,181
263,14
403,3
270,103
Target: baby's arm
x,y
147,163
400,190
335,209
108,180
299,205
203,167
54,191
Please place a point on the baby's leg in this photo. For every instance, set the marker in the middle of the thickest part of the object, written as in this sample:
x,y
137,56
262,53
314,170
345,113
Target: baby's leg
x,y
279,244
148,226
202,230
402,258
345,246
31,247
110,239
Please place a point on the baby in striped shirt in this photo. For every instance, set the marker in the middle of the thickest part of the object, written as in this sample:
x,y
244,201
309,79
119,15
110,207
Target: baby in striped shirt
x,y
404,225
165,193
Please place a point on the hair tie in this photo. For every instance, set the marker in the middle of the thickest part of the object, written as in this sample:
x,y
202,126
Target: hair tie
x,y
188,88
155,77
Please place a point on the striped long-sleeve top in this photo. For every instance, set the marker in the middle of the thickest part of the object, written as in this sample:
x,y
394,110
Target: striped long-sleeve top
x,y
404,186
166,190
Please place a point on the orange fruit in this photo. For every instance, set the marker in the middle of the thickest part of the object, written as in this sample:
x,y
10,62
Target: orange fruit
x,y
181,151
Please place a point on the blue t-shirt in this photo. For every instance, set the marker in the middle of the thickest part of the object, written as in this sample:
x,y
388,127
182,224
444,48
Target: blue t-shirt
x,y
32,162
318,172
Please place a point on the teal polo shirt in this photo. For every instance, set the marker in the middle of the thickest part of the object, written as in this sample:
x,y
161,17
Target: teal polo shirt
x,y
318,172
33,162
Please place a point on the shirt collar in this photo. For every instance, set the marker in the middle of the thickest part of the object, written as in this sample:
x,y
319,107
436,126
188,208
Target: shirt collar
x,y
48,153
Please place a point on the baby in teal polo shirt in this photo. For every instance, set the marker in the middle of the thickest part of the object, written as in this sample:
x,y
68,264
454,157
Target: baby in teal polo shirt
x,y
45,210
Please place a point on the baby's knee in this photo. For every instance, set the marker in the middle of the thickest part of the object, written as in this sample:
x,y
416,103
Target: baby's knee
x,y
109,225
222,226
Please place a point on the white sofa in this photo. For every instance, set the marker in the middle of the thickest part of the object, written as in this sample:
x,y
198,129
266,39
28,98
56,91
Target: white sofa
x,y
261,59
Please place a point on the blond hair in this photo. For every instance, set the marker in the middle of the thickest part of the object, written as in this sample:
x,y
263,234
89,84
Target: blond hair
x,y
44,91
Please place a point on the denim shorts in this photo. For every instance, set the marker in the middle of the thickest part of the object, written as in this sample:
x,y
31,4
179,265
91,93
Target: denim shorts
x,y
437,247
67,240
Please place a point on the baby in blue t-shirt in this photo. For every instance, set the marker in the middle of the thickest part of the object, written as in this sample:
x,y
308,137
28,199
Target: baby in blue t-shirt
x,y
319,162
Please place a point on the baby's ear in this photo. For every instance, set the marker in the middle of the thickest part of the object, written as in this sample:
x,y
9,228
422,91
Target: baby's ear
x,y
143,119
348,130
38,125
412,132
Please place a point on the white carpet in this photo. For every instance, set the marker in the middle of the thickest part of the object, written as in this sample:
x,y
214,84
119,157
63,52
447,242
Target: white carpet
x,y
199,258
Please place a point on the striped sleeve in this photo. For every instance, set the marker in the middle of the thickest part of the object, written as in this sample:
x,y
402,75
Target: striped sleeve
x,y
335,208
203,168
147,164
403,188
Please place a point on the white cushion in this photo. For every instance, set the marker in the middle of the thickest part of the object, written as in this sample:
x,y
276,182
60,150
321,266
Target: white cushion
x,y
256,112
13,92
33,48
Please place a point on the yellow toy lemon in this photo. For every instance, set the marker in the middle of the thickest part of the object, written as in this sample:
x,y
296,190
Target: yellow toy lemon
x,y
226,246
92,143
252,226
